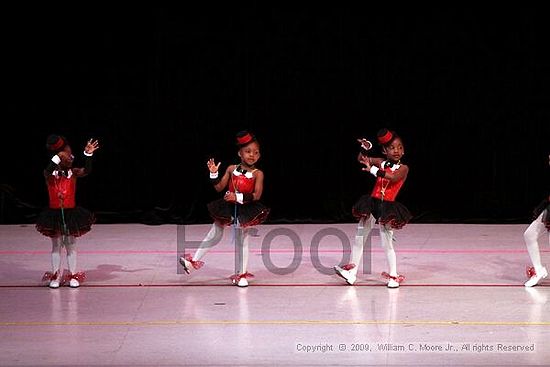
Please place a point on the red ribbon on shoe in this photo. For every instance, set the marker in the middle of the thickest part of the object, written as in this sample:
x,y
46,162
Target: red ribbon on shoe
x,y
530,272
237,277
348,266
80,276
49,276
398,279
196,264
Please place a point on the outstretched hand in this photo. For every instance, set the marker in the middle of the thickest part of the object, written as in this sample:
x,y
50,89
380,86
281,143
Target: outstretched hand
x,y
363,159
212,166
91,146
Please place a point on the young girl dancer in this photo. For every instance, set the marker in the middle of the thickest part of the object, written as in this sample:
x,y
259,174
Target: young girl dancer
x,y
532,235
239,207
63,220
380,206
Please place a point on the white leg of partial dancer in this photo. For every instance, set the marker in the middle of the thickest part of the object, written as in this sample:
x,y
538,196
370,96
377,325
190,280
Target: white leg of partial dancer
x,y
56,254
532,235
386,234
70,245
364,227
56,261
242,236
210,240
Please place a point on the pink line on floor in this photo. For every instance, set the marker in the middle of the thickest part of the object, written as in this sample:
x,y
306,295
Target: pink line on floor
x,y
278,251
279,285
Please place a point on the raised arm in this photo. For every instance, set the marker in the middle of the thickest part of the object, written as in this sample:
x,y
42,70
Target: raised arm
x,y
372,165
89,149
52,165
399,174
220,183
363,159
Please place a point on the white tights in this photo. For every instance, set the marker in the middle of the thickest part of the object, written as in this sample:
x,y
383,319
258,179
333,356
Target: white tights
x,y
70,245
241,243
532,235
364,227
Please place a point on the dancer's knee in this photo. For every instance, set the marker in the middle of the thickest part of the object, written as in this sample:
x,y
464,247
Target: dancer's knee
x,y
387,237
530,234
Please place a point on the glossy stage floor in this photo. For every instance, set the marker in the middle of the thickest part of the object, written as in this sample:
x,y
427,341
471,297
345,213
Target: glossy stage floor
x,y
462,303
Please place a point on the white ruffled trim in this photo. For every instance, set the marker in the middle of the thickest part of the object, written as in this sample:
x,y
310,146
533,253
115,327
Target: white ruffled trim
x,y
248,174
56,173
393,168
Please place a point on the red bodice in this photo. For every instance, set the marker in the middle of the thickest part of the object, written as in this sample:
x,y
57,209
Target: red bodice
x,y
384,189
61,191
243,183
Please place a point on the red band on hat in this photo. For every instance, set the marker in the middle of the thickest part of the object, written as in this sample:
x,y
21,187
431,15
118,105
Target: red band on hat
x,y
58,144
385,138
244,139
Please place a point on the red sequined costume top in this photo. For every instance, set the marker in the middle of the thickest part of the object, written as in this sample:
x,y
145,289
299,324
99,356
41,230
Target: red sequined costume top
x,y
63,217
247,214
61,190
385,189
242,182
381,203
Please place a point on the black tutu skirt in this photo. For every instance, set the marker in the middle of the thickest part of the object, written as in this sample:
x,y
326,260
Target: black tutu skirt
x,y
544,205
391,213
249,214
78,221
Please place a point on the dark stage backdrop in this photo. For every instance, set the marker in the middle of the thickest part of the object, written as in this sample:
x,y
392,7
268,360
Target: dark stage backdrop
x,y
164,89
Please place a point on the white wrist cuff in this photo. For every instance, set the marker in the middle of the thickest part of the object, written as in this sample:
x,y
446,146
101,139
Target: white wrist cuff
x,y
88,154
240,197
56,159
213,175
374,170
